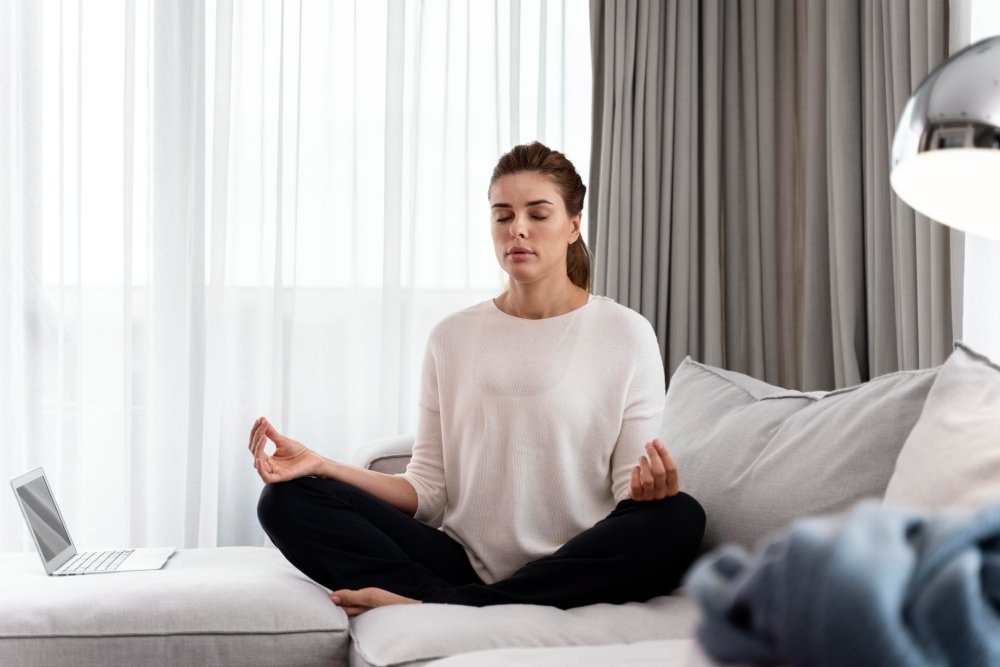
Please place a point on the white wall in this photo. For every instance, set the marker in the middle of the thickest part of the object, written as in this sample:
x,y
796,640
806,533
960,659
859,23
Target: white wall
x,y
982,256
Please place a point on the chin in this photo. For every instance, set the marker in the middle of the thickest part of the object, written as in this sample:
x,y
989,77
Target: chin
x,y
519,271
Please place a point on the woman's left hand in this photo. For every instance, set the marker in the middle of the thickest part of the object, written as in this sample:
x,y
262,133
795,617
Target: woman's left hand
x,y
656,475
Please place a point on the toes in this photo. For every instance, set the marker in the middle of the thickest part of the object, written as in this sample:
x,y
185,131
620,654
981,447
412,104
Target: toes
x,y
360,601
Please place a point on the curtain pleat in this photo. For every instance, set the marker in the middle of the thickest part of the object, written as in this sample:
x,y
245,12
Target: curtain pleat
x,y
177,277
132,472
710,245
217,304
769,235
514,72
72,393
542,71
279,366
20,192
392,250
845,208
648,162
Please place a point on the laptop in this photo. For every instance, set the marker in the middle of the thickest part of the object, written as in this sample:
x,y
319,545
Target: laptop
x,y
59,555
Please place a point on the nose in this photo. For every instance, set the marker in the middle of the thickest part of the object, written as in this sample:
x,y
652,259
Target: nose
x,y
518,228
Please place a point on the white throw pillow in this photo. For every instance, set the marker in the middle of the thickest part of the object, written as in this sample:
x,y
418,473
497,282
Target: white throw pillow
x,y
952,457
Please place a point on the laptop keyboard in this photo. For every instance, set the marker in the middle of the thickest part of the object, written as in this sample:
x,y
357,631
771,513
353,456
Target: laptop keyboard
x,y
96,561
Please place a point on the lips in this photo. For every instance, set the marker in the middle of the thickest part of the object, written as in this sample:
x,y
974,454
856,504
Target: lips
x,y
517,250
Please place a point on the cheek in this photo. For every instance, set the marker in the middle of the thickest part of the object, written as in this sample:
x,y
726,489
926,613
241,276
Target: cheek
x,y
557,236
498,243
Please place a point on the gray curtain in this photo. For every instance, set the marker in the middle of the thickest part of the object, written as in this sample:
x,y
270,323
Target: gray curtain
x,y
739,193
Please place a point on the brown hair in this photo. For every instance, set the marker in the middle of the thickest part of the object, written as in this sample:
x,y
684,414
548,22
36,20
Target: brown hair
x,y
555,165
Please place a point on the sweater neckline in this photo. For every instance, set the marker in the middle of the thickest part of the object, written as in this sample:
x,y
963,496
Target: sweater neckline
x,y
493,304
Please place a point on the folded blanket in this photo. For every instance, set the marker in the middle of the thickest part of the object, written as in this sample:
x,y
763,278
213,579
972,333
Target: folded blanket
x,y
879,586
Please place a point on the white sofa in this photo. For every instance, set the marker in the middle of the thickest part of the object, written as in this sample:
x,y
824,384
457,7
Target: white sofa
x,y
756,456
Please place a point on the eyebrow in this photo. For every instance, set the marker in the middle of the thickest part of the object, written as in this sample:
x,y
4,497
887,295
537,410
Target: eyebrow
x,y
536,202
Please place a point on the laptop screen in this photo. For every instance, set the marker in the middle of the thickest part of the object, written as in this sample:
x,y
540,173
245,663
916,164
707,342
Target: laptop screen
x,y
43,518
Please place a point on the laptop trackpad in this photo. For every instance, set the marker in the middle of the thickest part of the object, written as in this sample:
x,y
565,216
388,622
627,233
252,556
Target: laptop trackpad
x,y
146,559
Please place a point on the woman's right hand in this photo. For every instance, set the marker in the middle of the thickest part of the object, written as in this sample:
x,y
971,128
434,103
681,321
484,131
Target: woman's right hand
x,y
290,460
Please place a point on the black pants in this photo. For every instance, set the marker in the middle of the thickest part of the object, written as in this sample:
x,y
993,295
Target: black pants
x,y
344,538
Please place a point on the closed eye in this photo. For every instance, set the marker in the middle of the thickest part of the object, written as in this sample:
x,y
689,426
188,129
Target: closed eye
x,y
510,217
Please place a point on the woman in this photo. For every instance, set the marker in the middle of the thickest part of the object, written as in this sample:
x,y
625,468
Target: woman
x,y
534,449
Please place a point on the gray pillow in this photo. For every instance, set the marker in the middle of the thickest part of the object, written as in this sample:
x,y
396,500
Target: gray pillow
x,y
758,456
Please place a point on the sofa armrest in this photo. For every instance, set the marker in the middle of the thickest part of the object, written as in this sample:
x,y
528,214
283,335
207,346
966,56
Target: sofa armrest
x,y
388,455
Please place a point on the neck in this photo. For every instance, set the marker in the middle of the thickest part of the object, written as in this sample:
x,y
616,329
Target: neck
x,y
537,302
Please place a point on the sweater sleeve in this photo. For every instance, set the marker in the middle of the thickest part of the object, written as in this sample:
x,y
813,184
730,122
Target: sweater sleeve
x,y
643,415
425,472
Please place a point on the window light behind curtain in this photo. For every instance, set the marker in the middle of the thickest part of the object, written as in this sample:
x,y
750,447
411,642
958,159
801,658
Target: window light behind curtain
x,y
211,211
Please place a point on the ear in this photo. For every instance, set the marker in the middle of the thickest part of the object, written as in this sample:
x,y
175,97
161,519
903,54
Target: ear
x,y
575,222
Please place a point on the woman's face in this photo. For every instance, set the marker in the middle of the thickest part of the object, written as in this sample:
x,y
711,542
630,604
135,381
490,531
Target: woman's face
x,y
532,230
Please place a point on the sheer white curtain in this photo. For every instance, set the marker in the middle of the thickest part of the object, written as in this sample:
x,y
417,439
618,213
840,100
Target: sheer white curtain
x,y
215,210
981,326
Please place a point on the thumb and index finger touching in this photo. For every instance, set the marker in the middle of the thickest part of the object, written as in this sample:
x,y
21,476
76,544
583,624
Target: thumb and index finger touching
x,y
663,463
656,473
262,431
263,426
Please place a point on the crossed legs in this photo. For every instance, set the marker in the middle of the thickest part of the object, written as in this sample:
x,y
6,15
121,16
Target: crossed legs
x,y
344,538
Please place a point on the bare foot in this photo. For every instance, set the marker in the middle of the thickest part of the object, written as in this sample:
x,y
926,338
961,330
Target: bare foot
x,y
360,601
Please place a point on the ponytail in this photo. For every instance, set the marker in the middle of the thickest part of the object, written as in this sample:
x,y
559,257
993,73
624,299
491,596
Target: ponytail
x,y
578,264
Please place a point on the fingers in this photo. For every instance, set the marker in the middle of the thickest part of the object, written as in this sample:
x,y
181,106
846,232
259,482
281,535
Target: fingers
x,y
271,431
673,482
257,434
635,485
265,469
253,431
656,475
262,430
641,483
257,447
646,475
258,440
262,462
657,468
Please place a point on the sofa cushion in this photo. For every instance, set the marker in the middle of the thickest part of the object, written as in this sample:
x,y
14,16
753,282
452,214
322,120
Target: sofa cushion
x,y
659,653
758,456
414,634
952,456
225,606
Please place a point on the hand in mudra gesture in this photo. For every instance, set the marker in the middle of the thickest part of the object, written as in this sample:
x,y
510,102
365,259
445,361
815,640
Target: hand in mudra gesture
x,y
290,460
656,475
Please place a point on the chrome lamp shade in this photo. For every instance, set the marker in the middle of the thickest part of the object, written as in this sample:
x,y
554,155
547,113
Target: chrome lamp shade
x,y
946,152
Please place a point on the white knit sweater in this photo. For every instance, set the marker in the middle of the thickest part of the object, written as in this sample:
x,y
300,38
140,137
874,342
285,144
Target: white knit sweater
x,y
529,429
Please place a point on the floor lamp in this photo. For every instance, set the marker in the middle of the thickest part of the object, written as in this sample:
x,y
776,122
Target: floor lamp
x,y
946,152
